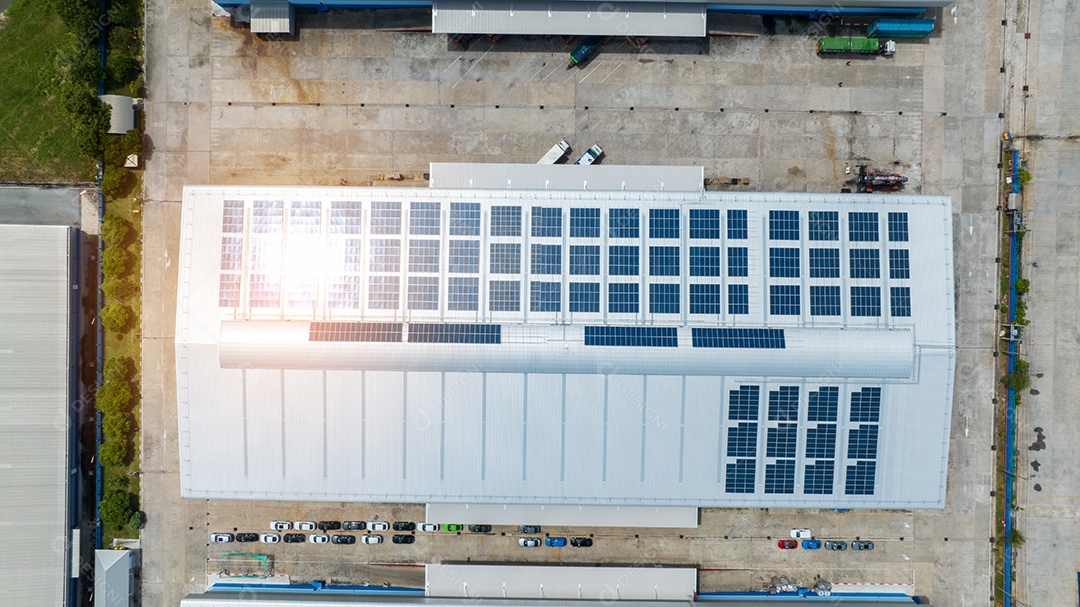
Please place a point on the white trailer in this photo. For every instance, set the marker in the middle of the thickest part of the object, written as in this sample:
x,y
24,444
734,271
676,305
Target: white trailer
x,y
556,153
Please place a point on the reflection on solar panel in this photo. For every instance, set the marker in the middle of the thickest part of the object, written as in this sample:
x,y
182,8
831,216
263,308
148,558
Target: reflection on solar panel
x,y
229,291
232,217
344,293
740,477
547,221
824,225
464,256
584,260
584,223
383,292
663,337
504,295
738,338
264,290
381,332
737,225
738,299
821,441
823,404
663,298
704,223
705,261
545,296
782,440
423,293
866,405
232,252
862,442
623,261
783,262
743,403
424,218
385,255
784,404
899,264
860,478
305,217
783,225
506,221
454,333
624,223
464,218
866,301
780,476
385,218
862,227
865,263
345,217
266,216
824,263
706,299
505,258
819,478
900,301
584,297
663,223
898,227
742,440
738,263
546,259
663,261
300,292
623,298
824,300
784,300
350,252
463,293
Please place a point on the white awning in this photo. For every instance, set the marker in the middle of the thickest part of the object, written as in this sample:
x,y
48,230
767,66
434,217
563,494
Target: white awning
x,y
271,17
642,19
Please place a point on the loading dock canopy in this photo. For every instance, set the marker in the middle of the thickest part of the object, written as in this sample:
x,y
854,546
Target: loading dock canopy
x,y
569,18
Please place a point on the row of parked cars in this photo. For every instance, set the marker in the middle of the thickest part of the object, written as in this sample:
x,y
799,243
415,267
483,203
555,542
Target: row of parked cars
x,y
809,543
375,538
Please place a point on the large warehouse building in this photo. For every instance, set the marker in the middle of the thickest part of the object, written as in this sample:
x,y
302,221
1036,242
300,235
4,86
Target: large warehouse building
x,y
621,348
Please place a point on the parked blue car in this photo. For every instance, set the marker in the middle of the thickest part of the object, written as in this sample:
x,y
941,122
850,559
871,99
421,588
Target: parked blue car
x,y
555,542
811,544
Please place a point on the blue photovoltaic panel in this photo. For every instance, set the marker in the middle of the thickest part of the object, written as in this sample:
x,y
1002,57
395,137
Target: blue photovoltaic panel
x,y
705,261
504,296
505,258
784,404
743,403
772,339
623,261
898,227
584,260
624,223
424,218
232,217
900,301
343,293
383,292
821,442
463,293
506,221
866,405
782,441
738,262
862,442
424,255
464,218
899,264
369,332
823,404
229,291
783,262
783,225
742,440
545,296
739,477
232,252
704,223
623,298
862,227
866,301
547,221
706,299
824,263
663,223
351,255
454,333
663,261
784,300
662,337
305,217
824,225
267,217
737,225
345,217
584,297
464,256
423,293
385,255
860,478
738,299
663,298
865,263
584,223
780,477
385,218
819,478
546,259
824,300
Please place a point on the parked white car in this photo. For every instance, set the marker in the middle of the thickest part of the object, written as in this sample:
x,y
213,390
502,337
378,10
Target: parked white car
x,y
429,527
802,534
319,538
270,538
220,538
378,526
305,525
529,542
280,525
372,539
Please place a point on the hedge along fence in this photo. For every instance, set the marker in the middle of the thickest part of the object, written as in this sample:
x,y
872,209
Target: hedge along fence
x,y
115,401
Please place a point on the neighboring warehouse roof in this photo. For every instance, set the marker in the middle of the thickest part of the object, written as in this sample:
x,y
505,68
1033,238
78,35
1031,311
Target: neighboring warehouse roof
x,y
558,347
36,299
568,18
607,584
113,581
464,175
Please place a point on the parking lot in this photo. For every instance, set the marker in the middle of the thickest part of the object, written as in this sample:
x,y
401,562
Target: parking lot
x,y
344,103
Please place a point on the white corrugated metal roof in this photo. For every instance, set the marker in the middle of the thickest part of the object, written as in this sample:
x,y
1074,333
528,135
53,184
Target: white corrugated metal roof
x,y
568,18
35,300
563,516
122,117
274,405
608,584
271,17
462,175
113,585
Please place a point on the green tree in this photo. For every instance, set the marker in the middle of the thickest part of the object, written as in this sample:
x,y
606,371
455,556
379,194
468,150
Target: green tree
x,y
115,317
1022,286
119,147
115,181
87,116
113,453
119,289
117,370
116,427
115,261
116,507
114,230
114,398
81,17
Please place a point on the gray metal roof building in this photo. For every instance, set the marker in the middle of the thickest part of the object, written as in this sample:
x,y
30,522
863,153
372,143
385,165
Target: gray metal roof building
x,y
565,347
36,389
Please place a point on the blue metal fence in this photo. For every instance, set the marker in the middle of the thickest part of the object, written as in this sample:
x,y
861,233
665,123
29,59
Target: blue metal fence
x,y
1010,411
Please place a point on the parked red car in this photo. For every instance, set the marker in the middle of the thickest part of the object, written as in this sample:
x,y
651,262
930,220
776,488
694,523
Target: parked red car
x,y
787,544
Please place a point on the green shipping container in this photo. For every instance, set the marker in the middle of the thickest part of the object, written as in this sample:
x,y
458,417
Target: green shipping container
x,y
862,46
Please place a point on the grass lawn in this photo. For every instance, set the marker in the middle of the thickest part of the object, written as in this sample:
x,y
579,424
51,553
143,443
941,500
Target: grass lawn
x,y
127,344
34,137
